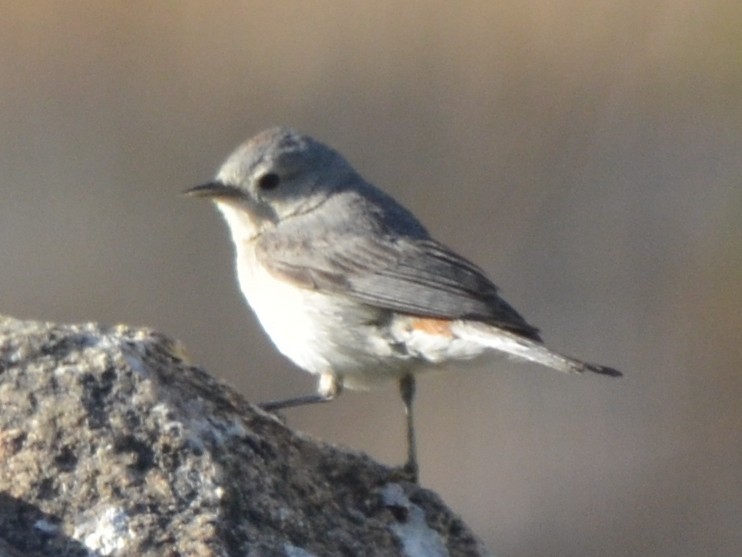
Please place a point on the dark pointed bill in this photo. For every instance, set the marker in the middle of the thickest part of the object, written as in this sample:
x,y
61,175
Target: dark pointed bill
x,y
213,190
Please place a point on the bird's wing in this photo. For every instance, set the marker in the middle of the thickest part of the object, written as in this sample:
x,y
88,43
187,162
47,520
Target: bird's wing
x,y
409,274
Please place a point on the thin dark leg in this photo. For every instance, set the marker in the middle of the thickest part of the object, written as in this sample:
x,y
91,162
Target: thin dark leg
x,y
314,398
329,389
407,389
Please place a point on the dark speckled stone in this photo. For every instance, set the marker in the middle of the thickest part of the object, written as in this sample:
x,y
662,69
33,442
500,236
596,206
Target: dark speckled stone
x,y
112,444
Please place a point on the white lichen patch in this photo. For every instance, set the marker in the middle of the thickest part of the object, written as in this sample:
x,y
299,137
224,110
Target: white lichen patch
x,y
106,533
417,538
293,551
46,526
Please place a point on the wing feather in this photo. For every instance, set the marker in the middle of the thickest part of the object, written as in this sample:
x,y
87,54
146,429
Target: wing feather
x,y
410,274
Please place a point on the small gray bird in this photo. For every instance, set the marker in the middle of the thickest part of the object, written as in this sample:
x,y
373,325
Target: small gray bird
x,y
348,284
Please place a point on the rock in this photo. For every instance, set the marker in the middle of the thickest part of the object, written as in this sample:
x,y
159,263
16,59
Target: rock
x,y
112,444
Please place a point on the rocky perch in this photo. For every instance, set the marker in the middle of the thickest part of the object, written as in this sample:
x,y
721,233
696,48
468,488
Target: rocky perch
x,y
111,443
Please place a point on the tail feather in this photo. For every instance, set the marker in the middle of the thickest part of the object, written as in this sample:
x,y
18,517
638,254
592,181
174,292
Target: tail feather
x,y
527,349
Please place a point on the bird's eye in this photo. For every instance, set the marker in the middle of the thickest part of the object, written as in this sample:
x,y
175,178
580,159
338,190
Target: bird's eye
x,y
268,181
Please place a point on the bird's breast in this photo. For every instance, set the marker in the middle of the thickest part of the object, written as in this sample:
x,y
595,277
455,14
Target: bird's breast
x,y
320,332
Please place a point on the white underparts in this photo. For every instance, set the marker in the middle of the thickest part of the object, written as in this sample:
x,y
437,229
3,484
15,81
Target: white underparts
x,y
356,346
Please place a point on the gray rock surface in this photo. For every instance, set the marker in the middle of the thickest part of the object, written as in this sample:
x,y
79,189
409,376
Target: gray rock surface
x,y
112,444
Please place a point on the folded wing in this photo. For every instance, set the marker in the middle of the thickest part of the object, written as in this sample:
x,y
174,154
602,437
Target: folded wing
x,y
409,274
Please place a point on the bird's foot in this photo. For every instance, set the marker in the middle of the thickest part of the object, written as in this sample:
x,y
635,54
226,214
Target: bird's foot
x,y
405,473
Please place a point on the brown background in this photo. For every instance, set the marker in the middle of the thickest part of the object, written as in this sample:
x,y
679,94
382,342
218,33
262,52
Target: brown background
x,y
587,154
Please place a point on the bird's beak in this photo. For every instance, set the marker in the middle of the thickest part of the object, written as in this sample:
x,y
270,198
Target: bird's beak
x,y
214,190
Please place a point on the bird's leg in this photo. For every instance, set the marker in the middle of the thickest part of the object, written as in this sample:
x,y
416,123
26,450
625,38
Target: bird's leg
x,y
329,388
407,390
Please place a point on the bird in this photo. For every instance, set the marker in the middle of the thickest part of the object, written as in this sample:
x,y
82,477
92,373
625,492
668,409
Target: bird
x,y
349,285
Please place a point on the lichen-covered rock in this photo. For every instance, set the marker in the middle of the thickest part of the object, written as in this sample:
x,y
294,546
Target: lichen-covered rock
x,y
112,444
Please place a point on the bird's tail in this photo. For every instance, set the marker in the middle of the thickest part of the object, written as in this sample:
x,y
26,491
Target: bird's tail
x,y
526,349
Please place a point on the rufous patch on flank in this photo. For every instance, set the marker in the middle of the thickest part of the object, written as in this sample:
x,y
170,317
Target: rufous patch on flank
x,y
430,325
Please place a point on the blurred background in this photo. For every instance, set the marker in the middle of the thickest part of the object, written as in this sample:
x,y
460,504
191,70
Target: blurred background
x,y
587,154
